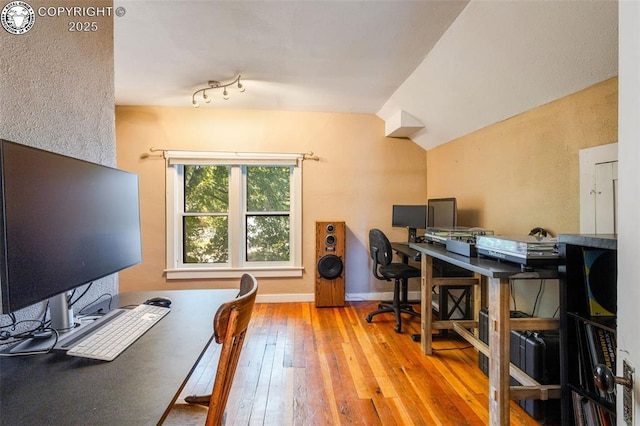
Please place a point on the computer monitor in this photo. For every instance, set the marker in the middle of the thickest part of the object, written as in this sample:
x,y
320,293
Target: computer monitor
x,y
443,213
412,217
64,222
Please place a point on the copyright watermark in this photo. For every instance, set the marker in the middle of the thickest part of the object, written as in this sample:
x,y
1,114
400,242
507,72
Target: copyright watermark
x,y
18,17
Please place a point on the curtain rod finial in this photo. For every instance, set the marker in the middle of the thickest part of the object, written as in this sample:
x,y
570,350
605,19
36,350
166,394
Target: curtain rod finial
x,y
309,156
152,150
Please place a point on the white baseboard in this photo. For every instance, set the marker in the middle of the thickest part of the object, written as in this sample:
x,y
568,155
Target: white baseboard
x,y
349,297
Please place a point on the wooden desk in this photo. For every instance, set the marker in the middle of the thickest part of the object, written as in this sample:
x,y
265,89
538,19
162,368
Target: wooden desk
x,y
444,294
137,388
498,276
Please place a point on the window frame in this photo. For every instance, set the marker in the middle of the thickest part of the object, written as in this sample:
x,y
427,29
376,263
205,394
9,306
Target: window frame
x,y
176,269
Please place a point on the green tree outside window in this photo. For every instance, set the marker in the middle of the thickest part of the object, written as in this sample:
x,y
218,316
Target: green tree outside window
x,y
206,214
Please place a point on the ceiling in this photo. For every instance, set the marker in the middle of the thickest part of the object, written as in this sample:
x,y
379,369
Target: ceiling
x,y
337,56
454,65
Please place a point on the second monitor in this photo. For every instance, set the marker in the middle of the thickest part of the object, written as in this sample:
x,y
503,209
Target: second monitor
x,y
443,213
412,217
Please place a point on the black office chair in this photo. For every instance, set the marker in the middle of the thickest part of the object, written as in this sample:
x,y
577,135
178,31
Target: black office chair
x,y
385,269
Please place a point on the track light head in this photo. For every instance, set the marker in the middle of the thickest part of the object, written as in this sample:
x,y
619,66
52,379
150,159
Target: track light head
x,y
215,84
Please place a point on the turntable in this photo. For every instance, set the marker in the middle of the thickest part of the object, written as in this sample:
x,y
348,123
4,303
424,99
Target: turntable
x,y
459,240
526,250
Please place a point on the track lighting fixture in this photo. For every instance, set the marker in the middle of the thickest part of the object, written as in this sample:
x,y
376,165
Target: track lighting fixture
x,y
213,84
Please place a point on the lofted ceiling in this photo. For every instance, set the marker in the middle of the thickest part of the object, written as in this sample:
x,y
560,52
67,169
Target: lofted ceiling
x,y
340,56
454,65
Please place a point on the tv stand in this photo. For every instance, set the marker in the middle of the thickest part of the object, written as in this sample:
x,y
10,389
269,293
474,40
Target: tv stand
x,y
41,343
61,340
61,313
62,323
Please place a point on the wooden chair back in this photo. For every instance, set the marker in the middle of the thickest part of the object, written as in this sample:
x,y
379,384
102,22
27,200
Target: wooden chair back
x,y
230,326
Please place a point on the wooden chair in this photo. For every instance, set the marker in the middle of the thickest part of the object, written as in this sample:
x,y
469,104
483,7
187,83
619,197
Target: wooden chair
x,y
230,326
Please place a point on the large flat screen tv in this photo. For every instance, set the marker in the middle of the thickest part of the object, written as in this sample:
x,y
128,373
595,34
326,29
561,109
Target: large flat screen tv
x,y
64,222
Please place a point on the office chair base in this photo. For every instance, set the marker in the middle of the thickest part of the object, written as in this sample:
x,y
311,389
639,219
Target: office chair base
x,y
387,307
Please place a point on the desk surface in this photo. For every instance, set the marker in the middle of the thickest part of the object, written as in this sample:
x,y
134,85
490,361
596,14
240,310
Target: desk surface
x,y
488,267
135,388
406,251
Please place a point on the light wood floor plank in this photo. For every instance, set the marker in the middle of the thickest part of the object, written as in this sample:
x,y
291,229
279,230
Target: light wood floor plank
x,y
303,365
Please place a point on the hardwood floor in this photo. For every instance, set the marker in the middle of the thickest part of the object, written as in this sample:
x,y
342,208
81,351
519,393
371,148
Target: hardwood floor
x,y
303,365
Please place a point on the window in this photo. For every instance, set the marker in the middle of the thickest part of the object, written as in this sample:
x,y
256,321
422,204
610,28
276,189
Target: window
x,y
229,213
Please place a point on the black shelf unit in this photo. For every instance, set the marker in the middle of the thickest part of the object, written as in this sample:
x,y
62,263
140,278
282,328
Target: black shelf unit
x,y
577,322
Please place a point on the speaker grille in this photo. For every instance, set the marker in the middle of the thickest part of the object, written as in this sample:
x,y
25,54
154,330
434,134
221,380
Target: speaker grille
x,y
330,240
330,266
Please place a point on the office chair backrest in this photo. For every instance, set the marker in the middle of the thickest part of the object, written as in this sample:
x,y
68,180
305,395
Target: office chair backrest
x,y
379,248
230,326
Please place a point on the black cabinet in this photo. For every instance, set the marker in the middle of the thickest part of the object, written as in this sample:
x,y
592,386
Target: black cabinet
x,y
588,300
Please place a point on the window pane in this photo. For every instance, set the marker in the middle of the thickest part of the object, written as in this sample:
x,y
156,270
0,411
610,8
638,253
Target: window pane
x,y
206,189
206,239
268,189
268,238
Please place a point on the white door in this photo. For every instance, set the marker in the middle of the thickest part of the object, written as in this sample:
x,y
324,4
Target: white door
x,y
599,189
606,197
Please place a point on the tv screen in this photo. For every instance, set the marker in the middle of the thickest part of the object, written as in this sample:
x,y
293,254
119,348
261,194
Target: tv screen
x,y
64,222
443,213
409,216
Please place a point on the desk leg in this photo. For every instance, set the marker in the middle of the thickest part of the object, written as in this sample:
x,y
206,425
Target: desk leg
x,y
476,293
426,305
498,351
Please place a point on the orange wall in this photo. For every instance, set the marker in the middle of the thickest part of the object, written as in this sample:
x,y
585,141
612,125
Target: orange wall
x,y
509,177
360,175
524,172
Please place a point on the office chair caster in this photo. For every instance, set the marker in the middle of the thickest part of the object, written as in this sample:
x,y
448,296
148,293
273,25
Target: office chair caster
x,y
397,328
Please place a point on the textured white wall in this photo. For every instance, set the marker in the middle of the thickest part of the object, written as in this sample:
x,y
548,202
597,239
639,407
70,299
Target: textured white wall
x,y
57,94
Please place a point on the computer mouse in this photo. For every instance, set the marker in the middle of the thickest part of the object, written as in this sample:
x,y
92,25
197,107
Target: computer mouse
x,y
159,301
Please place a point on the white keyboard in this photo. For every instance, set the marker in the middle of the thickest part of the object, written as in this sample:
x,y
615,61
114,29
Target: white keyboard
x,y
111,339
